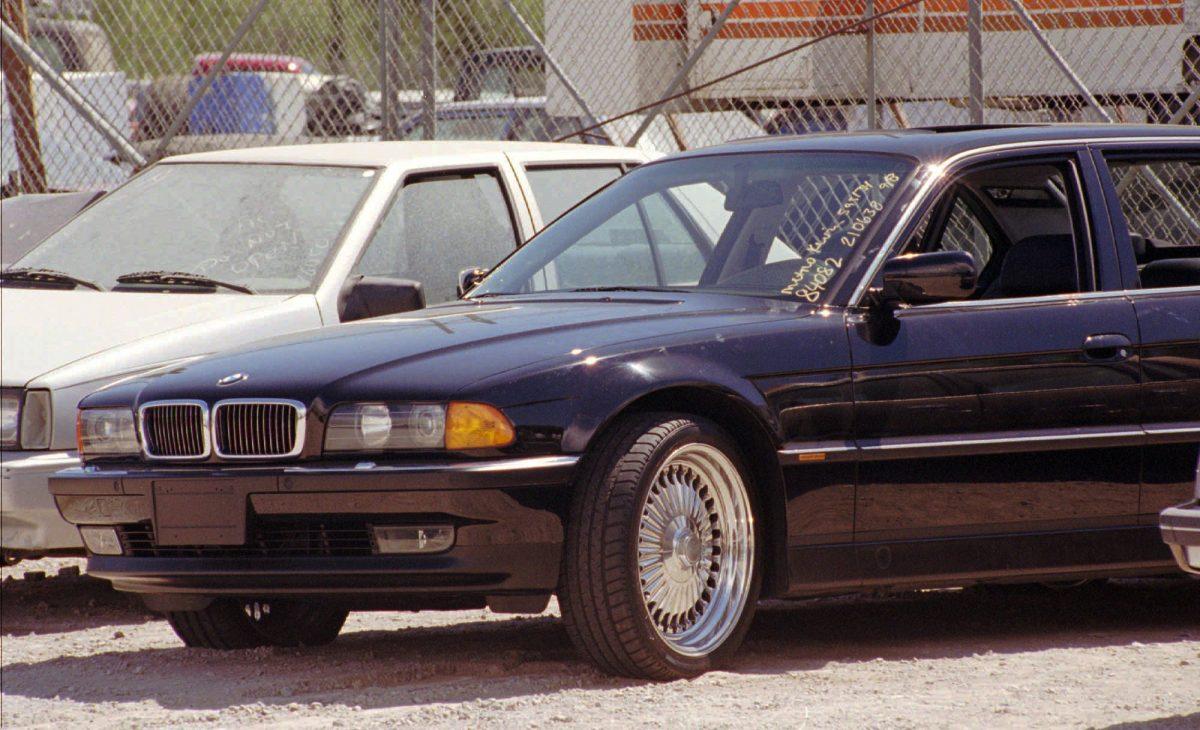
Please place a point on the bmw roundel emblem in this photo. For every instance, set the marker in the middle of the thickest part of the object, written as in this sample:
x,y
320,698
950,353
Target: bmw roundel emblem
x,y
232,378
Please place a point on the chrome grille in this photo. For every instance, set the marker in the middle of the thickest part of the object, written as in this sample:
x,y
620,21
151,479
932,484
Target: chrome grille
x,y
255,429
175,429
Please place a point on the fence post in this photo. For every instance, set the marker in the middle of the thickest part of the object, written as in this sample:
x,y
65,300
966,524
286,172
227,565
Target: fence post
x,y
18,85
429,68
975,58
386,102
872,78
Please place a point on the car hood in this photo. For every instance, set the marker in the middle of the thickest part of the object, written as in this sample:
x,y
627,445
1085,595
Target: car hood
x,y
55,338
434,353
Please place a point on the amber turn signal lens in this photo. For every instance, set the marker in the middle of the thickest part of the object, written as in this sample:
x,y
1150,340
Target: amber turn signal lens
x,y
477,426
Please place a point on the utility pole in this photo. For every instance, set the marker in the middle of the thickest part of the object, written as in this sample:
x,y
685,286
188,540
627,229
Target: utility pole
x,y
18,85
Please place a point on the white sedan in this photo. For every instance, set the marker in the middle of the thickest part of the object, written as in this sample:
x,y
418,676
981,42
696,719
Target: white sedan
x,y
209,251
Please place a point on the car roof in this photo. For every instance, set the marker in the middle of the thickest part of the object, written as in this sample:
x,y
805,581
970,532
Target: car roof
x,y
375,154
933,144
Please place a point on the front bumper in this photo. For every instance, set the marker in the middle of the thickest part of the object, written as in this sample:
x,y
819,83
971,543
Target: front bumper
x,y
1181,531
29,521
306,531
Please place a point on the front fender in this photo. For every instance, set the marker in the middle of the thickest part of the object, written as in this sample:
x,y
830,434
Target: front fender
x,y
612,389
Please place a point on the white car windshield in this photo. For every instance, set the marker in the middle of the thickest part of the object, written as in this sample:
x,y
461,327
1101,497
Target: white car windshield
x,y
266,228
764,224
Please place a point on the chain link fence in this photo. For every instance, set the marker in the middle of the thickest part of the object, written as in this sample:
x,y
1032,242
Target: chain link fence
x,y
115,84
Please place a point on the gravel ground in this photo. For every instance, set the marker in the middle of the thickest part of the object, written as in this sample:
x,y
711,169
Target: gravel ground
x,y
1124,654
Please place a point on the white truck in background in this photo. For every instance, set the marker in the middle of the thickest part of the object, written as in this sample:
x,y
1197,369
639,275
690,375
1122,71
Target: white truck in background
x,y
1139,59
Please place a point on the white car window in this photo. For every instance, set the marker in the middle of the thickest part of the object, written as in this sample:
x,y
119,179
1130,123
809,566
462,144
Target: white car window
x,y
439,225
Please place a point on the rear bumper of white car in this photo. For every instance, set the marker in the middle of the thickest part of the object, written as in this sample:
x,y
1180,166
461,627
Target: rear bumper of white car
x,y
29,522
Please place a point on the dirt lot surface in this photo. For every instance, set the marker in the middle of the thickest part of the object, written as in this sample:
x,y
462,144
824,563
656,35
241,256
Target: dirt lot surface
x,y
1126,653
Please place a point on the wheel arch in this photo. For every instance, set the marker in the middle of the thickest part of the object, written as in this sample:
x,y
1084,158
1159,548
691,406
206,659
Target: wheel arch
x,y
755,437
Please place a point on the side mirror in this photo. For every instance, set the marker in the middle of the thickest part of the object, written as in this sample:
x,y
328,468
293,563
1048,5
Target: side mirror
x,y
926,278
375,296
468,279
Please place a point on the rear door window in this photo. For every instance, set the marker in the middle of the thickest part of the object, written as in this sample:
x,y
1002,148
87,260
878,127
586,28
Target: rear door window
x,y
1160,200
557,189
438,225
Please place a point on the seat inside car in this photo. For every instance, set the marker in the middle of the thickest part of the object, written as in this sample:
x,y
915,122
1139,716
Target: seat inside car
x,y
1037,266
1161,264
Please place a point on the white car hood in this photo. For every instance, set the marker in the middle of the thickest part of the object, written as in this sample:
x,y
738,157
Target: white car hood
x,y
56,338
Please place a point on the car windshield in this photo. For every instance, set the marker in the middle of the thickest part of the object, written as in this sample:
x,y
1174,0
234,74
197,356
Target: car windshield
x,y
269,228
765,224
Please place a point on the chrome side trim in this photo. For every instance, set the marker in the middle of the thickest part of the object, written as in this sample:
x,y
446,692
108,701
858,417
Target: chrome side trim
x,y
1066,438
1173,428
204,429
941,168
301,416
496,465
999,442
1055,298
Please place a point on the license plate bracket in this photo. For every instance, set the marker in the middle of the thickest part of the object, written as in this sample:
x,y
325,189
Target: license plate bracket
x,y
202,511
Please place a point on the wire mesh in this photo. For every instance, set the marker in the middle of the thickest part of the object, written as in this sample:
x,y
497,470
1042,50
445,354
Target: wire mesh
x,y
328,70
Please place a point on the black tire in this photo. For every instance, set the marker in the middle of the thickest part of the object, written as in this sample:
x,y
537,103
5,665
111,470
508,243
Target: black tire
x,y
221,625
601,590
231,624
295,623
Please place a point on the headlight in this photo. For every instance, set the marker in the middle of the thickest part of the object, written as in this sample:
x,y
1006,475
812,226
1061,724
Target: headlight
x,y
386,426
413,426
36,418
106,432
10,416
26,424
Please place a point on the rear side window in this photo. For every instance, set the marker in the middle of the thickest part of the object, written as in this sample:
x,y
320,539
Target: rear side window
x,y
439,225
557,189
1160,200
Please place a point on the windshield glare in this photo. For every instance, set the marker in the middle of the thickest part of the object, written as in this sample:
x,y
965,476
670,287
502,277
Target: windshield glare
x,y
765,224
266,227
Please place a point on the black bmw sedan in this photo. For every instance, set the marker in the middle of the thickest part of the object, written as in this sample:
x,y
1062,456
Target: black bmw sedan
x,y
783,367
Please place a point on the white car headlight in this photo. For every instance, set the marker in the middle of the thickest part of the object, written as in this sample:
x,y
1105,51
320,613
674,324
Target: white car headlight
x,y
36,419
10,416
106,432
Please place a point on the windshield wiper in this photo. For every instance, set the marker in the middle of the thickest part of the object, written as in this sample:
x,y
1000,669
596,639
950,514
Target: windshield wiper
x,y
46,276
179,278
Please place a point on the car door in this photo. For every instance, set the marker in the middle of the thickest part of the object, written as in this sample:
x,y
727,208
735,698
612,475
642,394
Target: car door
x,y
438,223
998,421
1154,194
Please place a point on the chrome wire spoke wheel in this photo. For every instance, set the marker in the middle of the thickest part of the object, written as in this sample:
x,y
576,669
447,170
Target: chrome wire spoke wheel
x,y
695,549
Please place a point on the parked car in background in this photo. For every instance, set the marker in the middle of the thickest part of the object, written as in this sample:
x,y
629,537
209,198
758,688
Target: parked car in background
x,y
26,220
208,251
510,119
782,367
74,154
254,62
72,45
257,93
501,73
1181,530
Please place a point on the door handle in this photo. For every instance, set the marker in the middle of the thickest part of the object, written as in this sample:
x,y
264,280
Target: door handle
x,y
1107,348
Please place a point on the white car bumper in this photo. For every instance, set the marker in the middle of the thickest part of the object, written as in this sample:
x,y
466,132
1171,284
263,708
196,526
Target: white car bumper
x,y
29,521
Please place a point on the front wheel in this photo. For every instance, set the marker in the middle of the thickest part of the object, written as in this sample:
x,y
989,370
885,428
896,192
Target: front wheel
x,y
660,573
